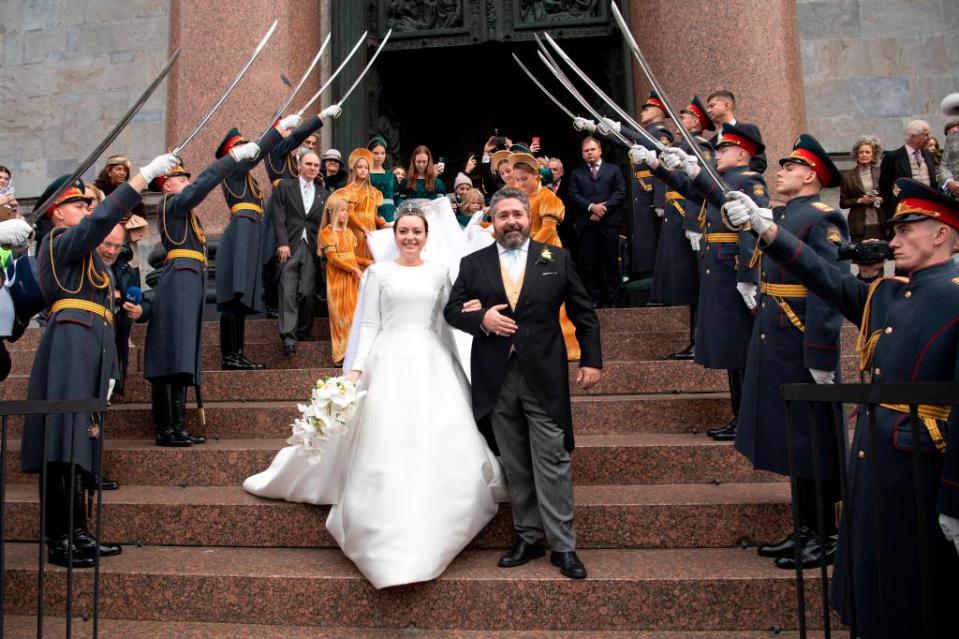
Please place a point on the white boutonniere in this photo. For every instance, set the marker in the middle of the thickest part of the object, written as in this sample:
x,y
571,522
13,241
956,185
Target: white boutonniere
x,y
545,256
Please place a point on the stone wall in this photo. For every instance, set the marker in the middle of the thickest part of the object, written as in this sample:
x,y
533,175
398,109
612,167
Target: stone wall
x,y
870,66
69,70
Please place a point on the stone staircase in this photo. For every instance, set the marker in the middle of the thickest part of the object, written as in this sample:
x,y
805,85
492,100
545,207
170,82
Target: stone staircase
x,y
665,517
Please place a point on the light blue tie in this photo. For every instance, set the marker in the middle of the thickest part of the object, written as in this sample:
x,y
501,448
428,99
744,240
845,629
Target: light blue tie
x,y
513,264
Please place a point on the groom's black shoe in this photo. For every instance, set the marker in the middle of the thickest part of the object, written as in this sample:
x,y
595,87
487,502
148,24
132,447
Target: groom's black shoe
x,y
568,564
520,553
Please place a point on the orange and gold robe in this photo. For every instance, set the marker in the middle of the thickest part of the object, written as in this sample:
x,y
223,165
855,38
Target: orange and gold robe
x,y
546,213
364,200
342,287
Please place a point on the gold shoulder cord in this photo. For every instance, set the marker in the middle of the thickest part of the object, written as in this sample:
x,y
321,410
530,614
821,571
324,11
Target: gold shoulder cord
x,y
226,186
194,222
866,342
294,171
97,279
254,187
269,158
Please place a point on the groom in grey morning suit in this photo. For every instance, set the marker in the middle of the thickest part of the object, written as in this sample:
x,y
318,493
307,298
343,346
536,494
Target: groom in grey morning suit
x,y
520,376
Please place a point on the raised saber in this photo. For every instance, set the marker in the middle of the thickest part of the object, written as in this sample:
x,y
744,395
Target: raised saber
x,y
543,89
269,34
608,100
309,70
561,77
668,107
111,136
365,69
349,56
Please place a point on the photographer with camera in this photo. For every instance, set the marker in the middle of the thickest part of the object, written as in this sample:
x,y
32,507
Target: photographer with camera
x,y
909,332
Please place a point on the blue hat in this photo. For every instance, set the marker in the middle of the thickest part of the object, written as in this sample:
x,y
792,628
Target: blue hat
x,y
732,135
809,152
918,202
231,139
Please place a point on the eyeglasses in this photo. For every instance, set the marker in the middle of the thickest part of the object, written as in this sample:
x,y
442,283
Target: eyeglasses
x,y
110,246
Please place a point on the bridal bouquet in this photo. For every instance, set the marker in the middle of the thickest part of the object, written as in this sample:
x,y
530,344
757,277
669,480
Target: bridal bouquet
x,y
332,403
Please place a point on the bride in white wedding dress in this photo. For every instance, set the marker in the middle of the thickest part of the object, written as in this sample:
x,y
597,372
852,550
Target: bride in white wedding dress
x,y
413,481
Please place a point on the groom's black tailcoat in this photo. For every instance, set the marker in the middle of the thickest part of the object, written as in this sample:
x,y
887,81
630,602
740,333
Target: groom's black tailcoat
x,y
547,284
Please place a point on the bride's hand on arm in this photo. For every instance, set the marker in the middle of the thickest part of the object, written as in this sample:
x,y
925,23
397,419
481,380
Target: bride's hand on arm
x,y
353,376
587,377
472,306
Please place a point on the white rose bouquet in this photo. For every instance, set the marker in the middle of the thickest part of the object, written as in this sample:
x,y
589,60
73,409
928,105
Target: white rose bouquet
x,y
332,404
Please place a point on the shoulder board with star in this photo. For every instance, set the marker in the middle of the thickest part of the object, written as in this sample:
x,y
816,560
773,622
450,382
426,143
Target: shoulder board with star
x,y
822,206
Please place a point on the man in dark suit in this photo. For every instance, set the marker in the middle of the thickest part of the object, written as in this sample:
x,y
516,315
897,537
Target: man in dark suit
x,y
597,192
520,377
721,107
297,206
911,160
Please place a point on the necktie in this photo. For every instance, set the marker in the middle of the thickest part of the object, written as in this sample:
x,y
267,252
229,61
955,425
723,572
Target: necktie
x,y
918,157
595,169
513,263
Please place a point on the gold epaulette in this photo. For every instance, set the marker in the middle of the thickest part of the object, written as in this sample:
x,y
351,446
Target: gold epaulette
x,y
822,206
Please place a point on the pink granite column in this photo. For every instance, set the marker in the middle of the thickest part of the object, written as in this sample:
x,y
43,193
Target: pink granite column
x,y
750,47
216,37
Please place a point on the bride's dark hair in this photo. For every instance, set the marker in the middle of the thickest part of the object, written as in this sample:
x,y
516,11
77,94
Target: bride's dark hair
x,y
410,211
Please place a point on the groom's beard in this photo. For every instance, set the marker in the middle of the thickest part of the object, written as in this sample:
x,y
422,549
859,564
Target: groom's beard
x,y
512,236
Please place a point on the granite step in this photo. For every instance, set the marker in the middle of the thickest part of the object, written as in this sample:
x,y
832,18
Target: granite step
x,y
24,627
598,459
677,590
636,516
273,385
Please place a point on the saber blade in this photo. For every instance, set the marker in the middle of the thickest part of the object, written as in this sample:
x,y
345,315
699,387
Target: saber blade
x,y
349,56
299,85
366,68
543,89
246,67
608,100
667,105
111,136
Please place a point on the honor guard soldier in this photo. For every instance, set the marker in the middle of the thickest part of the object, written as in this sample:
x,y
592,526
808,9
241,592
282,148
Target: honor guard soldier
x,y
909,332
795,340
172,357
676,276
281,164
728,279
76,358
239,278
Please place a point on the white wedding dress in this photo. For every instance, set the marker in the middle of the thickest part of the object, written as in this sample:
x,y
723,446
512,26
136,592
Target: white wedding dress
x,y
413,481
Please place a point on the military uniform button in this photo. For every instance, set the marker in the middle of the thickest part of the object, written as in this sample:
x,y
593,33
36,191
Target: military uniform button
x,y
862,454
908,293
762,336
889,330
707,271
877,371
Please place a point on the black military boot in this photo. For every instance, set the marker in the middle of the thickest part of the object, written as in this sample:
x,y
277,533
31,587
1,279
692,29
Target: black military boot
x,y
178,414
228,347
163,417
58,538
83,540
239,337
685,354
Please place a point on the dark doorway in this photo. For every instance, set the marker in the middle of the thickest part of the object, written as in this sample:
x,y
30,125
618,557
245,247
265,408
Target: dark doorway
x,y
453,98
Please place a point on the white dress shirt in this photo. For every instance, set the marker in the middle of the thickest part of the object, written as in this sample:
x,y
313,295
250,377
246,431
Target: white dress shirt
x,y
308,191
514,260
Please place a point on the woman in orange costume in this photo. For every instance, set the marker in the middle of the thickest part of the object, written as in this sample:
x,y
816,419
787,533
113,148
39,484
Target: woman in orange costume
x,y
363,199
338,245
546,212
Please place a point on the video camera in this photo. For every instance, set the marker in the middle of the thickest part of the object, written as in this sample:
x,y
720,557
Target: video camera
x,y
868,252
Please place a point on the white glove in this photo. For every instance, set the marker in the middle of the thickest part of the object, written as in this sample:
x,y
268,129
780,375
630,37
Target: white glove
x,y
158,166
740,210
674,158
950,528
291,121
748,292
602,129
613,125
638,154
15,232
660,211
583,124
331,112
823,377
245,151
695,239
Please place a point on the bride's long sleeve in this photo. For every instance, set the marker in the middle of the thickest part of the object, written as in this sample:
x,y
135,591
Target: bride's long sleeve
x,y
370,326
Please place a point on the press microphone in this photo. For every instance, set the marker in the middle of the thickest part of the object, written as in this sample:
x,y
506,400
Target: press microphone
x,y
134,295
